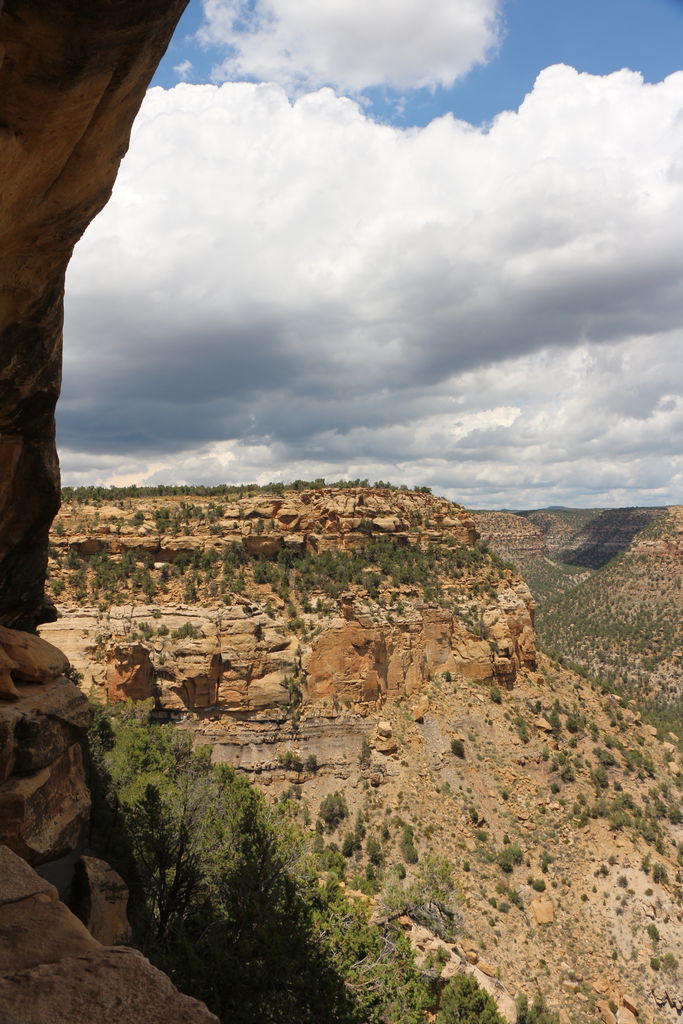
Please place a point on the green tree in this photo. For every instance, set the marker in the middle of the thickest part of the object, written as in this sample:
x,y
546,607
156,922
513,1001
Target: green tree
x,y
464,1002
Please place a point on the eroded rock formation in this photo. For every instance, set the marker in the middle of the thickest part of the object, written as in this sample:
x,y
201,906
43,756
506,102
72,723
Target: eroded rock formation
x,y
54,971
72,77
44,801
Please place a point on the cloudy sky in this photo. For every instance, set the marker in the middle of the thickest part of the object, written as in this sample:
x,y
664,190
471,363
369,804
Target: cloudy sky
x,y
434,243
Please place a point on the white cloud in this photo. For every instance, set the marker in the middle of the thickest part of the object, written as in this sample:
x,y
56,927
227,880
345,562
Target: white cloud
x,y
351,44
284,289
183,70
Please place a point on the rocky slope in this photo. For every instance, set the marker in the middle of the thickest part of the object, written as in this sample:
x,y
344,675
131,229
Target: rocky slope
x,y
624,623
533,543
362,641
556,549
591,537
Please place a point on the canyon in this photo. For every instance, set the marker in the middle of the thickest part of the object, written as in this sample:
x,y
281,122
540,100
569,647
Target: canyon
x,y
608,586
353,638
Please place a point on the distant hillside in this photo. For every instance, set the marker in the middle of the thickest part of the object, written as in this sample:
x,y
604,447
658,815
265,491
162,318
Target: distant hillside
x,y
591,537
625,622
532,542
608,587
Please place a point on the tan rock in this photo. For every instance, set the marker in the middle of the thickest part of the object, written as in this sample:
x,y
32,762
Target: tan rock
x,y
100,900
129,674
18,881
625,1016
419,710
543,724
385,746
486,968
116,985
43,813
606,1015
39,930
450,969
629,1003
32,659
263,545
53,971
542,911
8,690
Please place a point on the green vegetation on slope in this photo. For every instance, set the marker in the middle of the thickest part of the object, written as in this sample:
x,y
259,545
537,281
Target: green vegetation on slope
x,y
624,625
99,493
380,566
227,894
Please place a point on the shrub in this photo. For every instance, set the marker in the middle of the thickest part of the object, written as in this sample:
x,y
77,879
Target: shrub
x,y
659,874
510,857
537,1013
464,1002
374,851
350,844
290,761
407,845
458,747
669,963
522,730
187,631
333,810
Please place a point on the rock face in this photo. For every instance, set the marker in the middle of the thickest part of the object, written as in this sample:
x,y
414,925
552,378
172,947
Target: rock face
x,y
44,801
99,898
72,78
305,627
53,971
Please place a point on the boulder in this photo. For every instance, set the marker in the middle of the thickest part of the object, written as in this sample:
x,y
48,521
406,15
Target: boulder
x,y
486,968
44,801
42,813
18,881
604,1009
542,911
629,1003
54,971
419,710
100,900
29,658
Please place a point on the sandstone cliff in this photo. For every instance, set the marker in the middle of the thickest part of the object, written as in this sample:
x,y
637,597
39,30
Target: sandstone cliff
x,y
330,597
72,77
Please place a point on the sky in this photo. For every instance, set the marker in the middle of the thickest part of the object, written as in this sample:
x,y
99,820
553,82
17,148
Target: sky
x,y
438,244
